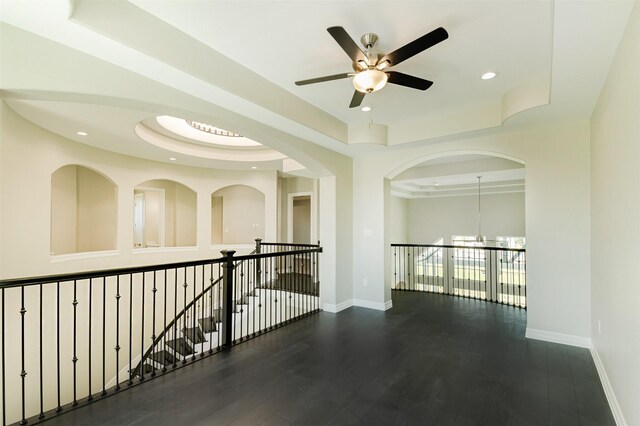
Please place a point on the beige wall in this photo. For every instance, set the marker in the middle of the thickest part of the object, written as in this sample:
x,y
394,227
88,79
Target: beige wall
x,y
83,211
63,210
433,218
185,223
398,220
243,214
216,220
291,185
615,228
301,217
97,212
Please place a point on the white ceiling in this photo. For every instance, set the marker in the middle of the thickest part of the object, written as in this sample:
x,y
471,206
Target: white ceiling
x,y
286,41
244,56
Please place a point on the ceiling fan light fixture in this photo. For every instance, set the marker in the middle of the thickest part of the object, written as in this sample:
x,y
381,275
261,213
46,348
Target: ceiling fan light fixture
x,y
383,64
370,80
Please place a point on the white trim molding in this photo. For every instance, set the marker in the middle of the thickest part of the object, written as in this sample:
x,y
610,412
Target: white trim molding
x,y
608,389
56,258
380,306
329,307
565,339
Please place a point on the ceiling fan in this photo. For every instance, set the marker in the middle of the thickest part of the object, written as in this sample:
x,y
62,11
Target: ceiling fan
x,y
370,66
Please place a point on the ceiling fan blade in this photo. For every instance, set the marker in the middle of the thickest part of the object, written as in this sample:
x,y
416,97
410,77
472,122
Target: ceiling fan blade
x,y
408,80
325,78
416,46
346,42
357,98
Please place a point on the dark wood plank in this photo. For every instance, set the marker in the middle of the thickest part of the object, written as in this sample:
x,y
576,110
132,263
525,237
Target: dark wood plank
x,y
432,359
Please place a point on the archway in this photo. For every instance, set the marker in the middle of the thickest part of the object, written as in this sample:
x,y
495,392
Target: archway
x,y
455,223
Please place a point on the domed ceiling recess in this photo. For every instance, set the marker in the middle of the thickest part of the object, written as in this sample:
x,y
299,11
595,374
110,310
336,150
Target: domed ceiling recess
x,y
200,139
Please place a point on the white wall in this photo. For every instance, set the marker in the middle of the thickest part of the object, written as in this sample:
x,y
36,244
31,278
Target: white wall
x,y
615,228
556,210
432,218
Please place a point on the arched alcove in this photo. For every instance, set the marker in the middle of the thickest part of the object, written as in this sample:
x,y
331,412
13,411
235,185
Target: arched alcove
x,y
237,215
164,214
83,211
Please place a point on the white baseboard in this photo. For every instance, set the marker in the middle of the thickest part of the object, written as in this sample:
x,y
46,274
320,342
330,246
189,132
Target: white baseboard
x,y
608,389
328,307
380,306
565,339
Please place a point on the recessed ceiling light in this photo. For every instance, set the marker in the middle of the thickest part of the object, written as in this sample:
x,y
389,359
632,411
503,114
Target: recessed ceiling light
x,y
366,109
254,167
488,75
81,133
172,159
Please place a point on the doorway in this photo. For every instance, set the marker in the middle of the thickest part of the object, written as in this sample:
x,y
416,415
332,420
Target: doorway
x,y
148,217
300,213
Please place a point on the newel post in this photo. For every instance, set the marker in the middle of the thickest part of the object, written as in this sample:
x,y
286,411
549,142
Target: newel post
x,y
227,310
258,264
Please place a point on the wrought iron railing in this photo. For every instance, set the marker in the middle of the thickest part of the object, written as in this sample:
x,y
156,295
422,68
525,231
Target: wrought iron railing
x,y
495,274
68,340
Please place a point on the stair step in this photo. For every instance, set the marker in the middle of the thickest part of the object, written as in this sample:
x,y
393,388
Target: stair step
x,y
181,346
195,335
208,325
148,368
163,358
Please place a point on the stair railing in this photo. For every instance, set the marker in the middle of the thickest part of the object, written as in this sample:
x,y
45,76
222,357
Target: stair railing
x,y
64,339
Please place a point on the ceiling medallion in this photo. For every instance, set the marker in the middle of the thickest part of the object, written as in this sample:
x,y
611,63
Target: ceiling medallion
x,y
207,128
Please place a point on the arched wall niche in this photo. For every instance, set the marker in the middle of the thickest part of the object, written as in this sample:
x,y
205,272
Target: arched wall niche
x,y
164,214
237,215
83,211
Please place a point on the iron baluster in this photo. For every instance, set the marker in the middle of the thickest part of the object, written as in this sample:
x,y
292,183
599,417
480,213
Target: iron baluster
x,y
117,347
75,357
90,397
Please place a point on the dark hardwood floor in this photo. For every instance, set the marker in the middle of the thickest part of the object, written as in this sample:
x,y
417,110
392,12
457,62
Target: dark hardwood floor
x,y
432,359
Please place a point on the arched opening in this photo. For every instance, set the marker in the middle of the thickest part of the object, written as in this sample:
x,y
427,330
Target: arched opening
x,y
237,215
164,214
458,197
472,202
83,211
